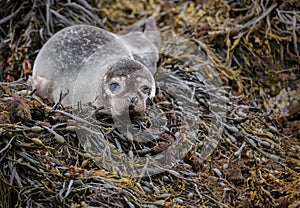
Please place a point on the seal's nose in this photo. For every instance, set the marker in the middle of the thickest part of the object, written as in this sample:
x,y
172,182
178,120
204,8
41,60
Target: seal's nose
x,y
132,99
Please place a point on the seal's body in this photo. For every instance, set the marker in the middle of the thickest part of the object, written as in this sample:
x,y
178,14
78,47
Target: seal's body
x,y
94,65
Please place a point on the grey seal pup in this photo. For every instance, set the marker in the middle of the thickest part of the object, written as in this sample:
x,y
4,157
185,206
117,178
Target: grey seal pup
x,y
93,65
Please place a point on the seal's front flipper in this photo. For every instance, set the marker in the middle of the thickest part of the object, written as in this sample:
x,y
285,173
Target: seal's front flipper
x,y
43,86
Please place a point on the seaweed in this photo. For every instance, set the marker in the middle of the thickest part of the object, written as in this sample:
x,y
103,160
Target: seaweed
x,y
242,136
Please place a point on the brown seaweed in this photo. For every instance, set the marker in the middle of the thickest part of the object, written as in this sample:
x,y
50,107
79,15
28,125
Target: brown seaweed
x,y
254,47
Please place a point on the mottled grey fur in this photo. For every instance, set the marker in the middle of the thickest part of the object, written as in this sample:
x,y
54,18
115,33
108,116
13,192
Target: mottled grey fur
x,y
81,59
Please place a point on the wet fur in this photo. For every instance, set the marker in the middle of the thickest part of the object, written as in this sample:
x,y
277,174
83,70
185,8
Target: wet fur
x,y
77,59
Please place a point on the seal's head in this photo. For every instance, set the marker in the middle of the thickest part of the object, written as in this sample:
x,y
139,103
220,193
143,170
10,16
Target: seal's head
x,y
127,86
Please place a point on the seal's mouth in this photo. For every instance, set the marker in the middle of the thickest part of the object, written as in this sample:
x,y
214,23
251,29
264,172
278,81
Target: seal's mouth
x,y
133,110
139,107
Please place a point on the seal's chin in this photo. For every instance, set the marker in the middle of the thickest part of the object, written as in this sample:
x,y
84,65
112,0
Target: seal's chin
x,y
127,108
133,109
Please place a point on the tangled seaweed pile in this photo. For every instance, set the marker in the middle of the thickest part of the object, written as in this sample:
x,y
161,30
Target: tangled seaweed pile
x,y
254,47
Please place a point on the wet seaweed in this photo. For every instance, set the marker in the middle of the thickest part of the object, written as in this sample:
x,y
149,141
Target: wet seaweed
x,y
253,45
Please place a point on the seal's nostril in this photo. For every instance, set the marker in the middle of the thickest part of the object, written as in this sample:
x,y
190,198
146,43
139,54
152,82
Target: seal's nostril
x,y
132,99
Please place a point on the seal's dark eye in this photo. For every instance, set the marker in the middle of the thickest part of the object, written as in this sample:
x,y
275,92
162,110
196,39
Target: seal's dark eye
x,y
145,89
113,87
